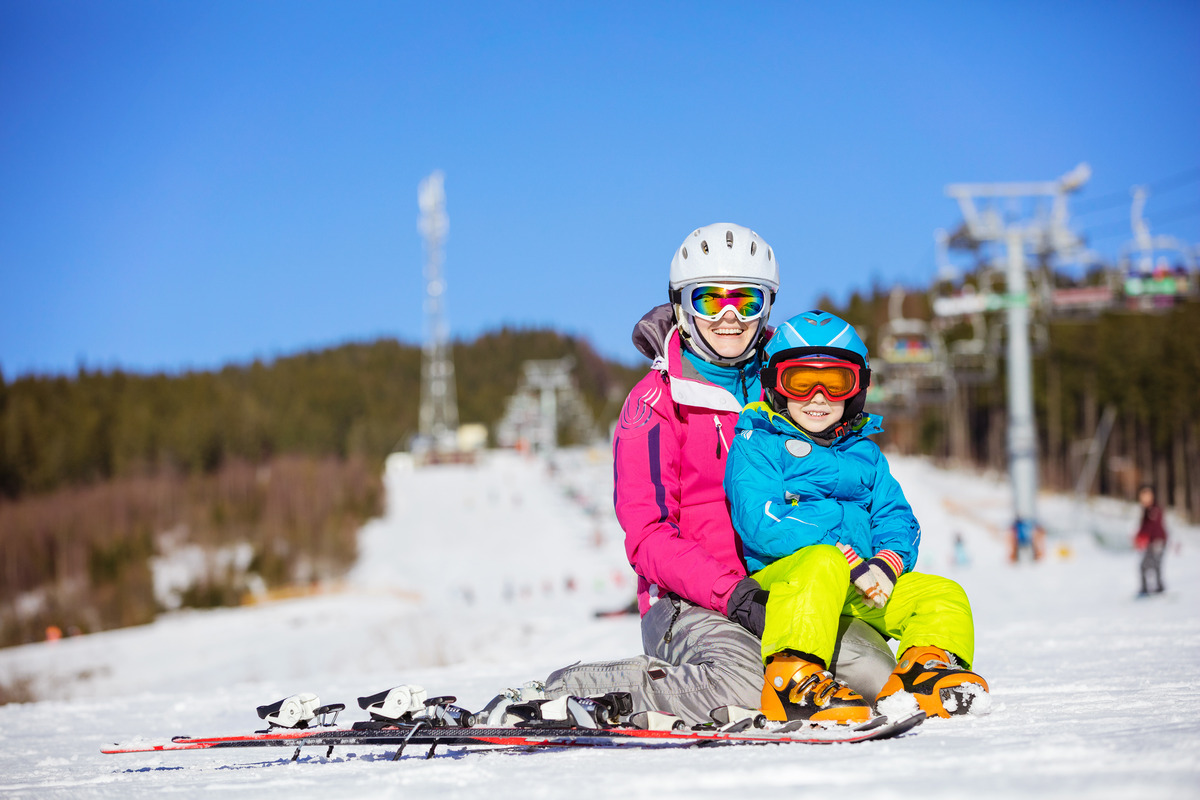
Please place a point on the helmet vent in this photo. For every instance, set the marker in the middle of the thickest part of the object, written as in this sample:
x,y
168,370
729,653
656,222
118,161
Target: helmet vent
x,y
704,246
684,251
729,239
769,255
753,247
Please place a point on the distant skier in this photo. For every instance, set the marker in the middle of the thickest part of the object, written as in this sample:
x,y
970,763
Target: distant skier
x,y
1151,539
701,616
827,531
961,557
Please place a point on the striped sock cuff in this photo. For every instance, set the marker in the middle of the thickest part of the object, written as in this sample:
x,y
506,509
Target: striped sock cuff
x,y
858,567
848,551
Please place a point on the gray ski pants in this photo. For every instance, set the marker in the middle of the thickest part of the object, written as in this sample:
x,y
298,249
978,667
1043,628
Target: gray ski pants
x,y
697,660
1152,567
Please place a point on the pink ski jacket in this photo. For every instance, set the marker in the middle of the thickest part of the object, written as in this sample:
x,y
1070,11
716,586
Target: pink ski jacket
x,y
669,452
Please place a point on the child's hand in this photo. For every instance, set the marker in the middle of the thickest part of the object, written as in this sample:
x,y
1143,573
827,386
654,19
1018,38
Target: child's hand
x,y
875,583
874,579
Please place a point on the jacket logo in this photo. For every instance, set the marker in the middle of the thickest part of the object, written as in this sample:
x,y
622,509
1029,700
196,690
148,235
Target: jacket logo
x,y
635,415
798,447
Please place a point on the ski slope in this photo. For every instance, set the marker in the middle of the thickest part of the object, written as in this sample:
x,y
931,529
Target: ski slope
x,y
483,577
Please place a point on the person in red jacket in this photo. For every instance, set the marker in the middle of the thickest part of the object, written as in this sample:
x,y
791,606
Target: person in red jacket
x,y
1151,539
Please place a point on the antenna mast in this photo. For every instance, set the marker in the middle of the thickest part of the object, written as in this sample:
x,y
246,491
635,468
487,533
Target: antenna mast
x,y
439,403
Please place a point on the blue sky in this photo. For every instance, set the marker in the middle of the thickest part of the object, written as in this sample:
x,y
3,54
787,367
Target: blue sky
x,y
188,184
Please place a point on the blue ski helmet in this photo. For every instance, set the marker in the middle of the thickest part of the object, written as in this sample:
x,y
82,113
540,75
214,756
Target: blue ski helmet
x,y
816,333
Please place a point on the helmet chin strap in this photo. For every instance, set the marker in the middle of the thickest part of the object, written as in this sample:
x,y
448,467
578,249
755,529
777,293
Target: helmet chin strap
x,y
699,345
839,429
850,417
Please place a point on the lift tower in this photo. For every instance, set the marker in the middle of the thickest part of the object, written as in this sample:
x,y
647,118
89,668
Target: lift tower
x,y
439,404
984,222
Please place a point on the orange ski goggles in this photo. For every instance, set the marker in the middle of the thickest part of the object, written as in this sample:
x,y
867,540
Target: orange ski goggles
x,y
802,378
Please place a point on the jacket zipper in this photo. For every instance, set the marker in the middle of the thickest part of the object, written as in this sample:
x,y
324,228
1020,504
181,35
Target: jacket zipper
x,y
720,436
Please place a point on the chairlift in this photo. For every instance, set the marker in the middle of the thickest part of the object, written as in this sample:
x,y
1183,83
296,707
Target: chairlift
x,y
546,399
973,361
911,358
1157,270
909,345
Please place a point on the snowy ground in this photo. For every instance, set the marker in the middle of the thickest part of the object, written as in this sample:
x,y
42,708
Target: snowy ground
x,y
483,577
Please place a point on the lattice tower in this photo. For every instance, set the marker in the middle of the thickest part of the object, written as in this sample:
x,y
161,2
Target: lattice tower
x,y
439,402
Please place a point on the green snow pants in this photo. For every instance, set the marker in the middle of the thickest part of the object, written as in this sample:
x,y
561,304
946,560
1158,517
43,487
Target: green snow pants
x,y
811,589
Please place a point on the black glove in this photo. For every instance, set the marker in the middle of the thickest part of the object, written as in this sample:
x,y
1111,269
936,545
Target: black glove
x,y
748,606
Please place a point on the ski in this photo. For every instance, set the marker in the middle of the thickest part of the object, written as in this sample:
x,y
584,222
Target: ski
x,y
422,735
404,716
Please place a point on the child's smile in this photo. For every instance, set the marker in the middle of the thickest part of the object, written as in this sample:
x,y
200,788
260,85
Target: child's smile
x,y
816,414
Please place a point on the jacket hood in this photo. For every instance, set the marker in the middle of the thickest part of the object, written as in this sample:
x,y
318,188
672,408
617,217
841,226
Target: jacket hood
x,y
650,332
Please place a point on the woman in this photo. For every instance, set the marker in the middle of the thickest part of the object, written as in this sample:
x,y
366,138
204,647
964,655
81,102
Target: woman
x,y
701,615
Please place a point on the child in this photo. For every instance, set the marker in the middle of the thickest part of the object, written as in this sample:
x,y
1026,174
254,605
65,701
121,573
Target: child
x,y
1151,538
827,531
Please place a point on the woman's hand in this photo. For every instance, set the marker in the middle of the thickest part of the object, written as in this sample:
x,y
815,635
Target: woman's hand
x,y
748,606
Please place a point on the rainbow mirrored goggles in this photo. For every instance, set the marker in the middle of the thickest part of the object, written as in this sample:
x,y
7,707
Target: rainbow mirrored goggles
x,y
709,300
802,378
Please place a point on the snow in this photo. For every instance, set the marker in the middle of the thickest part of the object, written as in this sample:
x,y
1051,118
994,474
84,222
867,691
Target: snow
x,y
483,577
183,565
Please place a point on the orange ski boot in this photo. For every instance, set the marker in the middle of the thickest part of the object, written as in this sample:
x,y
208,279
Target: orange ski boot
x,y
931,675
796,689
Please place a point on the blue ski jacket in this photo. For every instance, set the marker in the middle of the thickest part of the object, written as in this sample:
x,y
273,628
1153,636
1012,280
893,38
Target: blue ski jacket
x,y
787,492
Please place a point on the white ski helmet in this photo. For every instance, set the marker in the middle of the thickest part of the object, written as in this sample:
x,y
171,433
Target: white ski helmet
x,y
722,252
